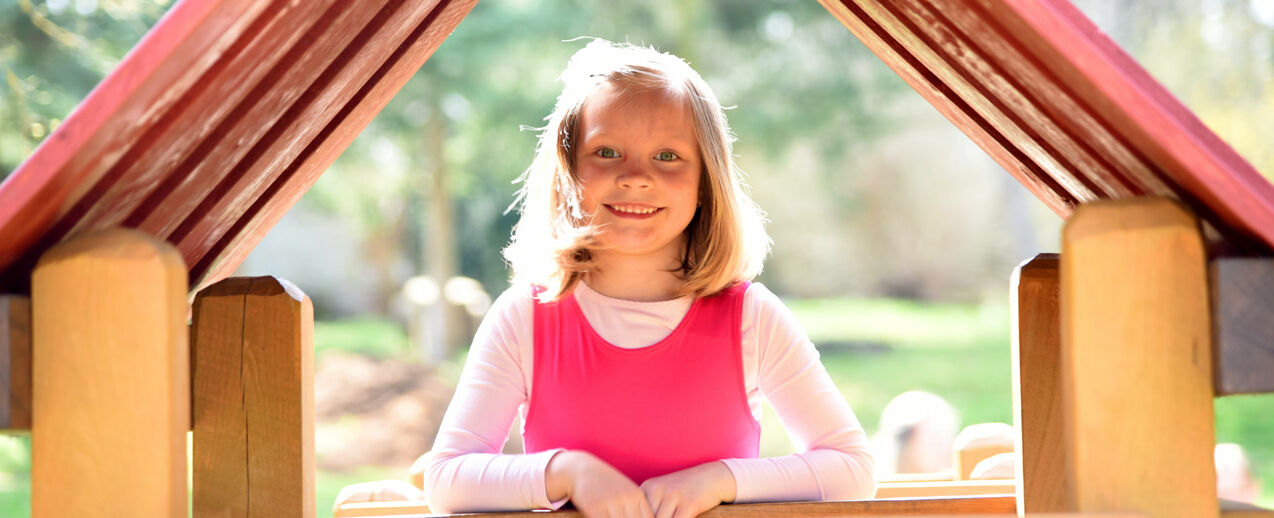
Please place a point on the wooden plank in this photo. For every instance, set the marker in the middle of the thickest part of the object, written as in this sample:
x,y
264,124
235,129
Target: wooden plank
x,y
220,438
978,442
1143,112
254,399
148,82
277,120
1037,391
15,364
110,378
874,35
945,488
239,96
405,509
945,506
1137,360
266,94
1243,325
234,243
1063,109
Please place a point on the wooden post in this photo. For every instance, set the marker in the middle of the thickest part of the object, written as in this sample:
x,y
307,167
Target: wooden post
x,y
1137,360
15,363
1037,391
253,400
110,375
1243,325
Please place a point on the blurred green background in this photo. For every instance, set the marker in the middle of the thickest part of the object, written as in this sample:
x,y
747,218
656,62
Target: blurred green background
x,y
894,235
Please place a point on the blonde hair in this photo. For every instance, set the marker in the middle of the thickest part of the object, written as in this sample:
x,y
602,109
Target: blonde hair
x,y
725,241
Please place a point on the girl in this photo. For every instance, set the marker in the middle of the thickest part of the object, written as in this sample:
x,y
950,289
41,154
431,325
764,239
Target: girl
x,y
631,342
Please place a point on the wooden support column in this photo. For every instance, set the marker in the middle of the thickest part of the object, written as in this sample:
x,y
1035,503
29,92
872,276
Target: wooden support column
x,y
1243,325
111,378
1137,360
253,400
1037,391
15,364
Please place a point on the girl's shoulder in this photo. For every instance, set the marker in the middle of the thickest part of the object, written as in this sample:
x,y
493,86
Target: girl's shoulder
x,y
760,297
515,304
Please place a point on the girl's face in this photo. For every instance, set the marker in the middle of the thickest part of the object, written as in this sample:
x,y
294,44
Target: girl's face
x,y
638,163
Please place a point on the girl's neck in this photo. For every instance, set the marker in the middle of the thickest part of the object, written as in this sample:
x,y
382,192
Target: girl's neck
x,y
641,280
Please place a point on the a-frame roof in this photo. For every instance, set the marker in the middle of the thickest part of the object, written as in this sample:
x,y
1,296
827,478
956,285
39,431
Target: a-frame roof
x,y
228,110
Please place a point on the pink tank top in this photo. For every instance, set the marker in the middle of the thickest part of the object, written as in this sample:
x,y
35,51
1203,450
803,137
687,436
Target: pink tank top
x,y
648,411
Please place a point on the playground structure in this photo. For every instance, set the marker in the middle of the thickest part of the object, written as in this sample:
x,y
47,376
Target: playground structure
x,y
228,110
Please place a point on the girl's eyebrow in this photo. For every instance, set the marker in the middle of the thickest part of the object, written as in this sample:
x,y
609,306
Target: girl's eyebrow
x,y
602,135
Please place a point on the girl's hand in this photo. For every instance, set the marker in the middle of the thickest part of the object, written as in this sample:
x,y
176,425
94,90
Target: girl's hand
x,y
596,488
691,491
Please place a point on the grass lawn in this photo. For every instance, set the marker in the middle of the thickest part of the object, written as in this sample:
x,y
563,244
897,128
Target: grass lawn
x,y
873,349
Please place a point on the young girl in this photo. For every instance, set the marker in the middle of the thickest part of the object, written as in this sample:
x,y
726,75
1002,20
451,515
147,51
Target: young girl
x,y
632,343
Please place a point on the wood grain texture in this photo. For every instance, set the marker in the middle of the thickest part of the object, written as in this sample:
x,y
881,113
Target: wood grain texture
x,y
235,244
1063,109
944,506
220,438
111,386
151,80
254,399
15,364
1137,360
1243,325
216,124
1037,392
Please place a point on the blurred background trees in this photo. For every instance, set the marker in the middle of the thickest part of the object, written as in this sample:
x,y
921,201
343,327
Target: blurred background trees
x,y
880,210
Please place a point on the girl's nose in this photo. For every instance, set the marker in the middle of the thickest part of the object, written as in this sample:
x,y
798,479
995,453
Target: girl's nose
x,y
634,177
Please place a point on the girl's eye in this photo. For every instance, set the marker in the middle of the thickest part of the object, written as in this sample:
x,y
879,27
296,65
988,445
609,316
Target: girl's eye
x,y
666,156
607,153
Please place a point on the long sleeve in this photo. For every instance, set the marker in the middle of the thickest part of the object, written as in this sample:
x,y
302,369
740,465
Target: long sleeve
x,y
465,471
834,460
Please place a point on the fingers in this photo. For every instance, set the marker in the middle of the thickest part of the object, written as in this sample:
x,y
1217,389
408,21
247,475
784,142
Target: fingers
x,y
643,507
666,510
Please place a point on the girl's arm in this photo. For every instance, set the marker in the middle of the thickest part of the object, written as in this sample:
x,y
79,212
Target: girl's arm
x,y
465,470
834,462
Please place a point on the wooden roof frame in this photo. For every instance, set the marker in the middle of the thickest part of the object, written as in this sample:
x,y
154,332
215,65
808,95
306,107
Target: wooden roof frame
x,y
228,111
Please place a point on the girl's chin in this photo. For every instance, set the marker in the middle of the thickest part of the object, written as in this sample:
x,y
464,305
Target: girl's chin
x,y
632,247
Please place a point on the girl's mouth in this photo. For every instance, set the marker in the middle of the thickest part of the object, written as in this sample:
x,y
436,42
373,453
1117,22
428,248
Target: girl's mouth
x,y
633,211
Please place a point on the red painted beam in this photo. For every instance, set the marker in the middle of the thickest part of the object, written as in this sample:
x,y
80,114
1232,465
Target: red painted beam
x,y
216,124
1063,109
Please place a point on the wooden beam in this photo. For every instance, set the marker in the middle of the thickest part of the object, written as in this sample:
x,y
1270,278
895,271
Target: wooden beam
x,y
944,506
1243,323
216,124
253,399
1037,385
978,442
1137,360
234,241
15,364
1054,101
110,377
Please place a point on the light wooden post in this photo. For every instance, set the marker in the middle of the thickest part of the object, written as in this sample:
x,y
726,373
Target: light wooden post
x,y
15,363
111,378
253,400
1037,391
1137,360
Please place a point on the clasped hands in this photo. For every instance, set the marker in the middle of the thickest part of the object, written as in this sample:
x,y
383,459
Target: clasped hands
x,y
599,490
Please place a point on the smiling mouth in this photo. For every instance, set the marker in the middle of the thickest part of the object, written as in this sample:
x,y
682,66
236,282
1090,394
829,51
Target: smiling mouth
x,y
630,211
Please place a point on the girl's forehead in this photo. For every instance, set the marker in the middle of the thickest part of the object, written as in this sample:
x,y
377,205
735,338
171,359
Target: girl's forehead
x,y
613,102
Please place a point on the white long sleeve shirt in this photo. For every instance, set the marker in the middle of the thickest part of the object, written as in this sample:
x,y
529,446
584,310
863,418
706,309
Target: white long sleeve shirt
x,y
465,471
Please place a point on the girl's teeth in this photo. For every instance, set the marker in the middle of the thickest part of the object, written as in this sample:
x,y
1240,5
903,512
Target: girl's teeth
x,y
634,210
